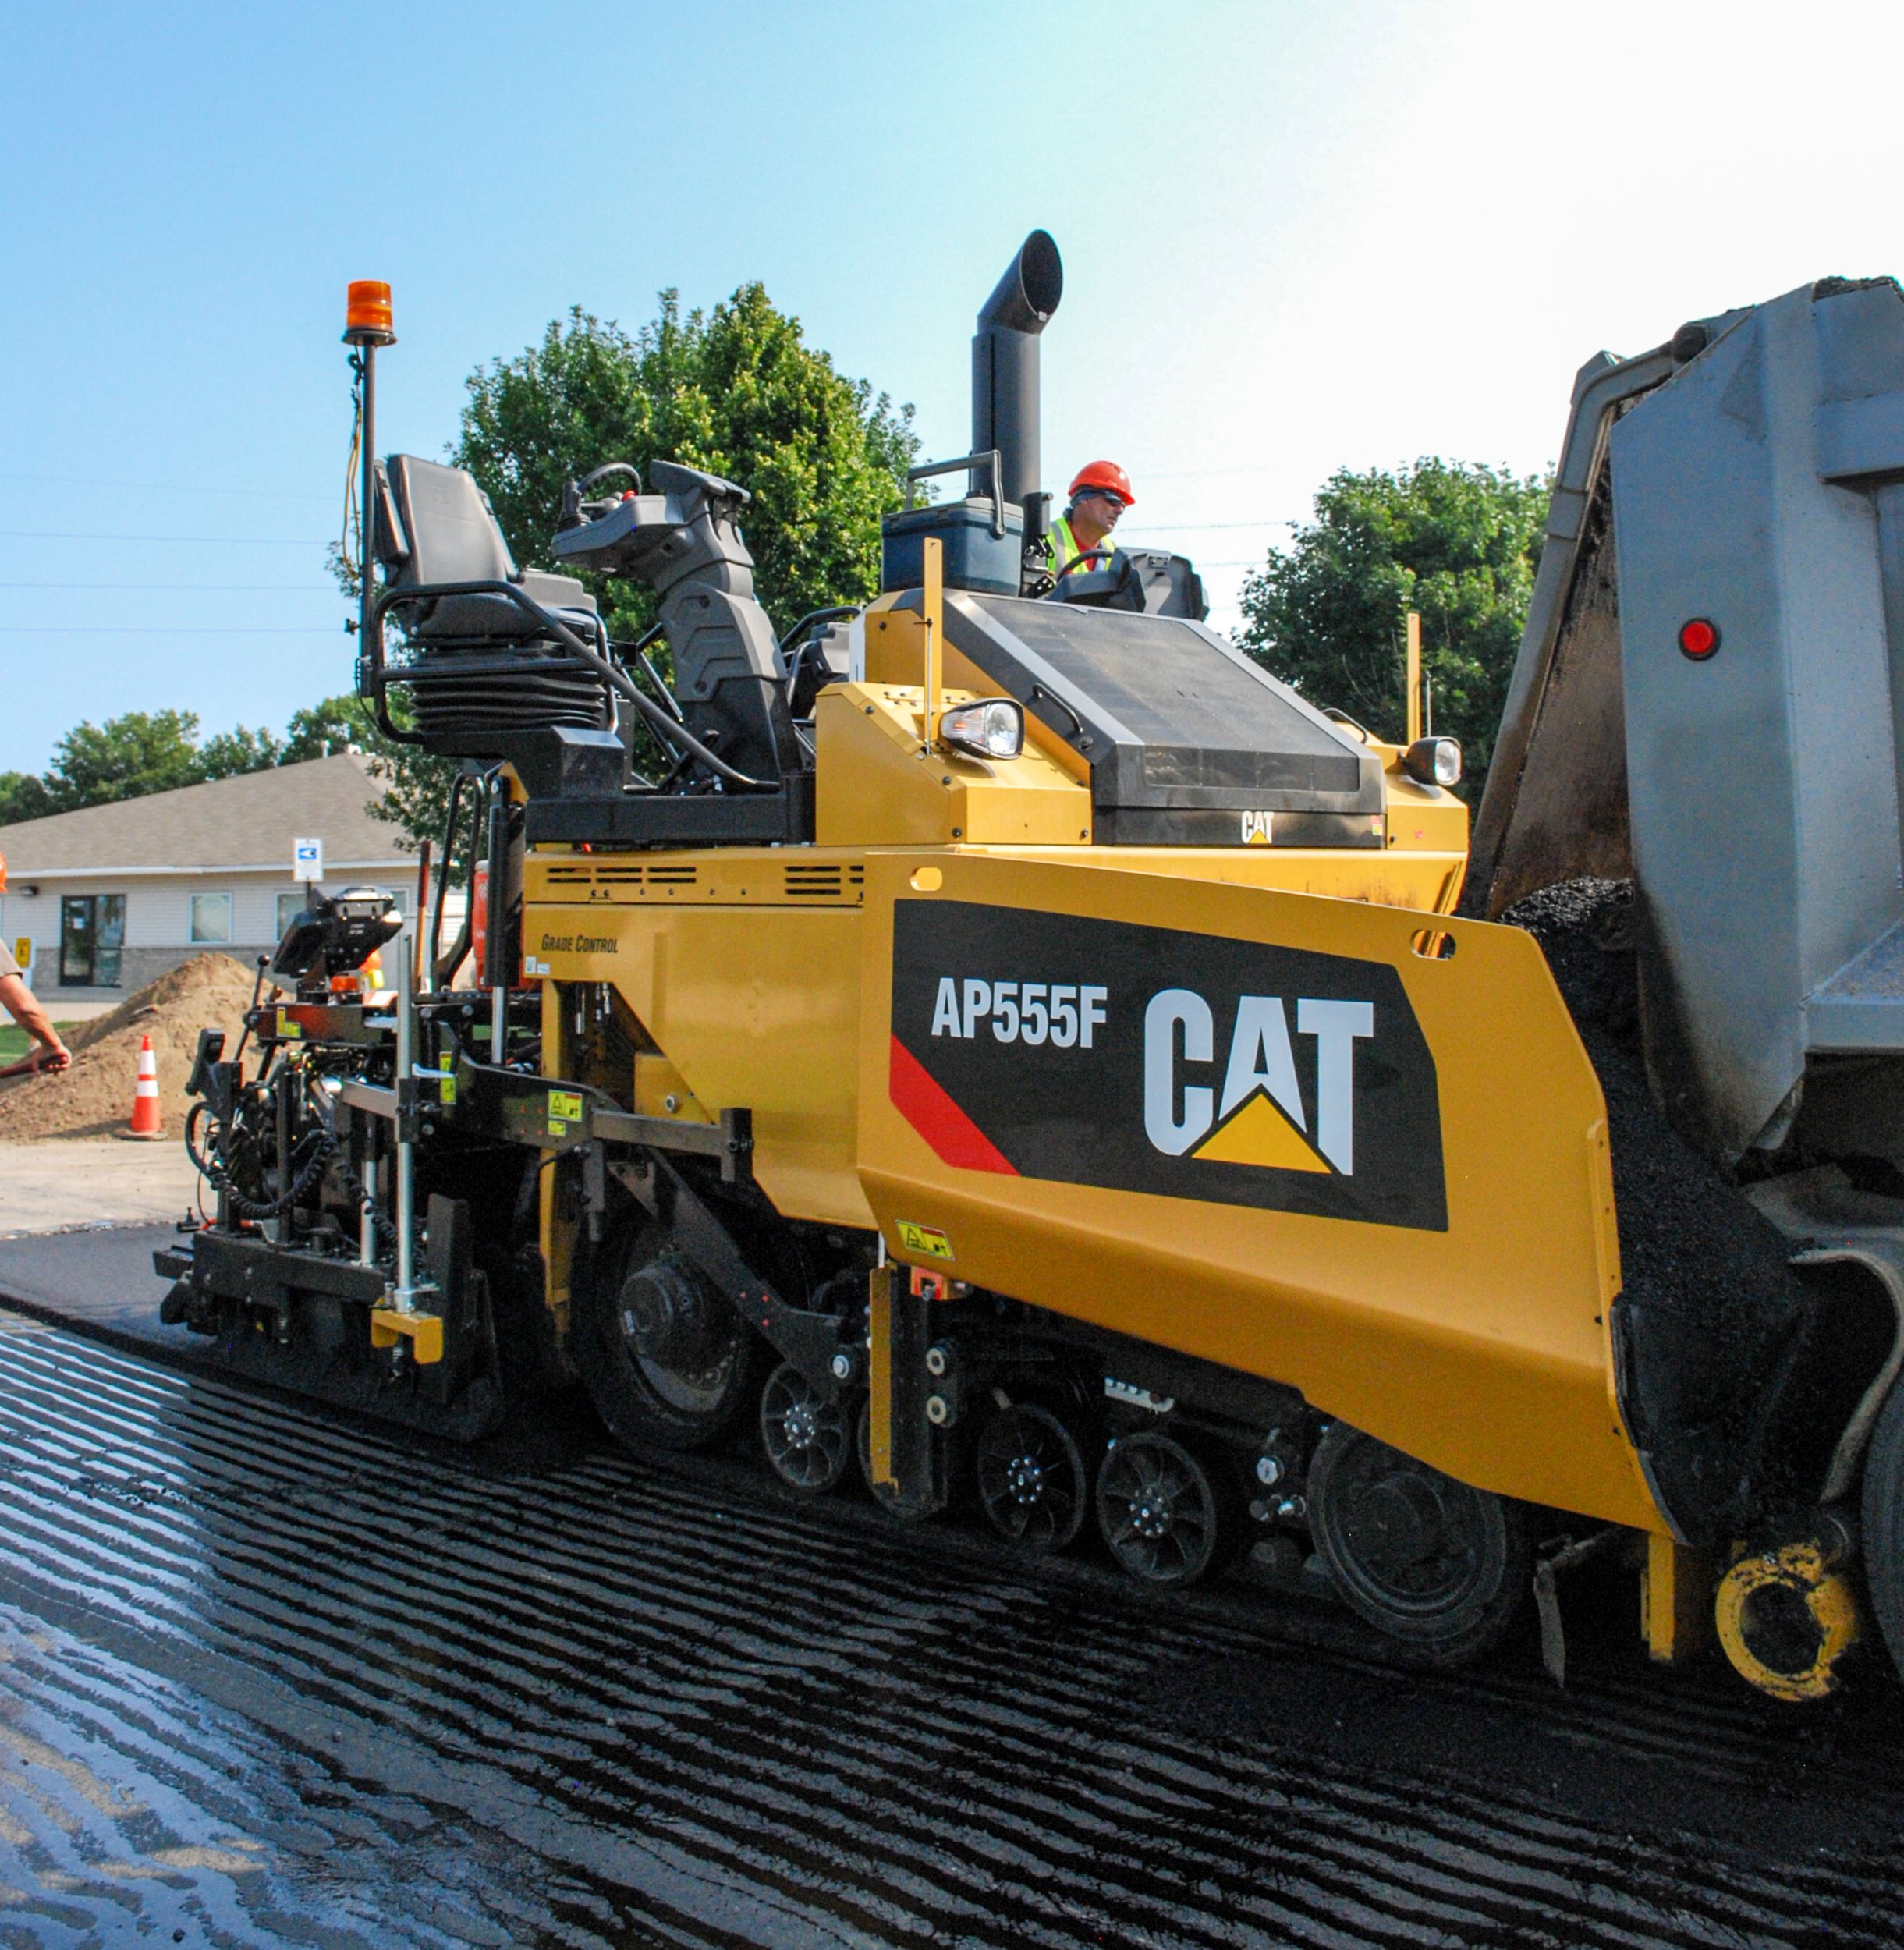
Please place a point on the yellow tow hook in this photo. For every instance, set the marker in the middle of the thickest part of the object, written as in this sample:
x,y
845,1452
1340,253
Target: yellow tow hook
x,y
1787,1615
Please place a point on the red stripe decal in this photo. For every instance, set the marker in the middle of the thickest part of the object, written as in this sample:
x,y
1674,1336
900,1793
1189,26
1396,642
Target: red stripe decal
x,y
921,1100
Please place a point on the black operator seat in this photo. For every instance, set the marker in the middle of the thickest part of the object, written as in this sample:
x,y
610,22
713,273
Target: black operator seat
x,y
437,526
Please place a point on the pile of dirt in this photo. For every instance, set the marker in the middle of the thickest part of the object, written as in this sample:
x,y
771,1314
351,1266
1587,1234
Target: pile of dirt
x,y
94,1098
1711,1306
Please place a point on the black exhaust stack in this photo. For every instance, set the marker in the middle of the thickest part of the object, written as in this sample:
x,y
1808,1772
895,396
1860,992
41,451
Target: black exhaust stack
x,y
1004,363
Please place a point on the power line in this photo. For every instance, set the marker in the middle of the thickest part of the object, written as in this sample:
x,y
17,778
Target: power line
x,y
1204,528
222,589
167,486
1197,474
209,541
150,629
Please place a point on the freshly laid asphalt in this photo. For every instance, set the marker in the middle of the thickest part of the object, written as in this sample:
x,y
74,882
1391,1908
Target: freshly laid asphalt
x,y
271,1675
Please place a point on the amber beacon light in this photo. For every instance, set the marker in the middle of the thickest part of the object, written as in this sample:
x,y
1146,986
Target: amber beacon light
x,y
368,315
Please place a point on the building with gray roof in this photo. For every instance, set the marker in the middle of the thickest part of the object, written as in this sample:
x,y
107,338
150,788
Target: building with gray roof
x,y
103,899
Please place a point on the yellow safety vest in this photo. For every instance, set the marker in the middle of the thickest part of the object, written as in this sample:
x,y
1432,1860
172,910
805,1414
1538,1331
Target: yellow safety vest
x,y
1065,549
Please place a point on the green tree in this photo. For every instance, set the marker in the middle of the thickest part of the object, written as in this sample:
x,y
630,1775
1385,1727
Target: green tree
x,y
22,796
332,725
142,752
226,754
1457,541
153,752
735,391
125,758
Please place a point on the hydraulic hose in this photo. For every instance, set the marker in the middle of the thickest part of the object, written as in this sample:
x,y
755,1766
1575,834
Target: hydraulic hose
x,y
639,648
665,726
312,1152
354,1186
451,959
315,1150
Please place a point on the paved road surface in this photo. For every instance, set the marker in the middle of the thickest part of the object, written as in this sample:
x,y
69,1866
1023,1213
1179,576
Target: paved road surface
x,y
63,1183
269,1677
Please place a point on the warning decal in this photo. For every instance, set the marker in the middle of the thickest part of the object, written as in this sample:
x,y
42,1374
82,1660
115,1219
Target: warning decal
x,y
1148,1059
924,1238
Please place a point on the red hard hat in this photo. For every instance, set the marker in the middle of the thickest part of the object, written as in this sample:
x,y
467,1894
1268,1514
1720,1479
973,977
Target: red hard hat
x,y
1106,475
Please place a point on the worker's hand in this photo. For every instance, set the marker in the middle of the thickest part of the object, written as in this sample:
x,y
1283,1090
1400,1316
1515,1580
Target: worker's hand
x,y
53,1056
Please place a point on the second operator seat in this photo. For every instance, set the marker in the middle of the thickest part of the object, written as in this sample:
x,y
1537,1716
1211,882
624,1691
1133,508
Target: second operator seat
x,y
484,664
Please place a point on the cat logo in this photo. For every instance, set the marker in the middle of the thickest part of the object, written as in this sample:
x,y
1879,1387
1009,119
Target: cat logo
x,y
1140,1059
1260,1118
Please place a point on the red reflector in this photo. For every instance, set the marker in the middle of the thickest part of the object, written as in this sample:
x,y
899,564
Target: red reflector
x,y
1699,639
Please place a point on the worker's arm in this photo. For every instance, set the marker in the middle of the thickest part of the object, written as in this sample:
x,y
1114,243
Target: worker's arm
x,y
20,1002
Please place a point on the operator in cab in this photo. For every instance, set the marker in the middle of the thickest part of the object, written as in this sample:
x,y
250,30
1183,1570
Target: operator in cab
x,y
1100,493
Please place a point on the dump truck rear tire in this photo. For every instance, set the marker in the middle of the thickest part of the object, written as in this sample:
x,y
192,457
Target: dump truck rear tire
x,y
1884,1523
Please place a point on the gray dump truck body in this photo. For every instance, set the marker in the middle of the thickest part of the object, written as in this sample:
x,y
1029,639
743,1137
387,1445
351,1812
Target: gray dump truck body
x,y
1750,475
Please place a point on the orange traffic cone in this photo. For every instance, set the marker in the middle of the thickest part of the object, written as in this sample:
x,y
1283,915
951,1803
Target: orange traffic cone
x,y
146,1122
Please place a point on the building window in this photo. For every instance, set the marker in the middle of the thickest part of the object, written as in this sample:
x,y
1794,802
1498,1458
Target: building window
x,y
92,935
211,919
290,905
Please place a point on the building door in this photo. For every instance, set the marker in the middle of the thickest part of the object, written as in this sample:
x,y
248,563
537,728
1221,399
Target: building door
x,y
92,938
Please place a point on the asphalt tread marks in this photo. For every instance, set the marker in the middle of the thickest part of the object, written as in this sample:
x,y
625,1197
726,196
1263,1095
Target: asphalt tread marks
x,y
891,1748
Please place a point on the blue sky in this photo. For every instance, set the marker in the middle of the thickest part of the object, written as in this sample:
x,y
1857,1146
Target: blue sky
x,y
1296,235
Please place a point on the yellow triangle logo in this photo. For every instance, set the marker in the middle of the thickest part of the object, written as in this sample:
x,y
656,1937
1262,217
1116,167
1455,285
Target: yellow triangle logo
x,y
1259,1133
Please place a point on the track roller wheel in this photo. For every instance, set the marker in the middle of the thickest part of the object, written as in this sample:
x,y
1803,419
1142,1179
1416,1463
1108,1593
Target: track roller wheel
x,y
667,1362
1157,1509
807,1436
1031,1479
1435,1563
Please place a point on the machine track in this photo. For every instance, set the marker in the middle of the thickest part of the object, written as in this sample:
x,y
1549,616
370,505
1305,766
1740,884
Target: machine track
x,y
267,1677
